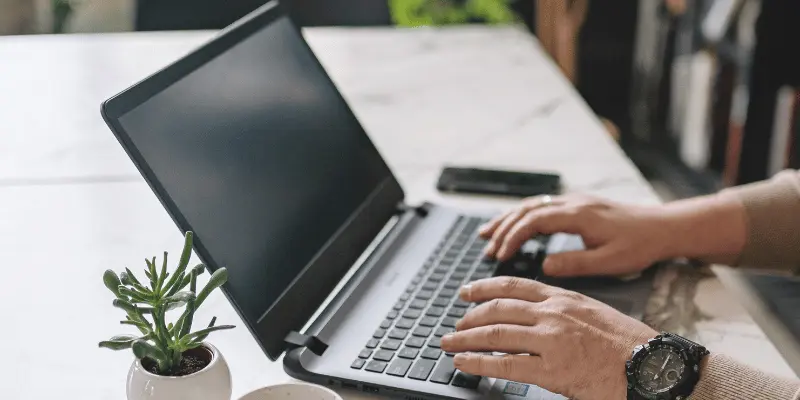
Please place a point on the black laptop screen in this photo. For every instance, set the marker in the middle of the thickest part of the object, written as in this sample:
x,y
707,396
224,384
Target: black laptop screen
x,y
262,157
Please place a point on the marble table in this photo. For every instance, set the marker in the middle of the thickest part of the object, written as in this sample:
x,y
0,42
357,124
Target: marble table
x,y
73,205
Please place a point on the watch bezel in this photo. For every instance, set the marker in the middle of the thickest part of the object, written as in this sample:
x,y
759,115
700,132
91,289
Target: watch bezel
x,y
688,379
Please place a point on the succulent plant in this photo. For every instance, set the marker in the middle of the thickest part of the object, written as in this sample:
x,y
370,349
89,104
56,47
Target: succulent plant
x,y
163,343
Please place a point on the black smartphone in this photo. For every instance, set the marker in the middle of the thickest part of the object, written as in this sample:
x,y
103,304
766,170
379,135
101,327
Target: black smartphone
x,y
498,182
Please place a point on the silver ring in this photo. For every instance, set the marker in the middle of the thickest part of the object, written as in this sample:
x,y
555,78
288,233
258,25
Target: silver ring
x,y
546,200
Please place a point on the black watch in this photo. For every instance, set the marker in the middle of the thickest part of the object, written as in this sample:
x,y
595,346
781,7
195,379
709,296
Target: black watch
x,y
666,368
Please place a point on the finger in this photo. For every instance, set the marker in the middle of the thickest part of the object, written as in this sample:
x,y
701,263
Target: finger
x,y
600,261
502,229
542,221
518,368
513,339
499,311
486,230
505,287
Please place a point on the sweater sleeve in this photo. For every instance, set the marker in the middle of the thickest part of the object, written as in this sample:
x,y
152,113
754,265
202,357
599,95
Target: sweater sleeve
x,y
728,379
772,209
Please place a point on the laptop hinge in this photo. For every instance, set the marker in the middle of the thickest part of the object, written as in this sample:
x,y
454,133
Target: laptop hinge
x,y
295,340
421,210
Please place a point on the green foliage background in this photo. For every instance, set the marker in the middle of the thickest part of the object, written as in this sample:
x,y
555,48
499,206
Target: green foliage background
x,y
443,12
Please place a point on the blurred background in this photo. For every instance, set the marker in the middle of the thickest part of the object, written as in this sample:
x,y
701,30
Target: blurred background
x,y
700,94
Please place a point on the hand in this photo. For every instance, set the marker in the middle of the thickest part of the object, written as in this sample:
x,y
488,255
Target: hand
x,y
559,340
620,239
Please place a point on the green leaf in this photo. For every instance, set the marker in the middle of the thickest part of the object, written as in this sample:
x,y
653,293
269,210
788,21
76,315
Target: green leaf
x,y
185,321
206,331
142,349
119,303
163,275
119,342
132,277
111,280
184,260
199,269
218,278
125,278
178,300
210,324
181,283
135,295
151,268
143,327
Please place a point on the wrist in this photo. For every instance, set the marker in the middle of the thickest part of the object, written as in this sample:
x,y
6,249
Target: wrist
x,y
710,227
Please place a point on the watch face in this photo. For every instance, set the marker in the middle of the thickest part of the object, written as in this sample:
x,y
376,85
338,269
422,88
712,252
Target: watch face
x,y
660,370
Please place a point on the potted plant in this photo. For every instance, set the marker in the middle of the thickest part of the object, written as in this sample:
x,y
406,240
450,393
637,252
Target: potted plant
x,y
171,361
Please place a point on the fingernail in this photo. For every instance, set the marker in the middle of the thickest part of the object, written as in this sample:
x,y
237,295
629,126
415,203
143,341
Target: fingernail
x,y
466,292
489,249
483,227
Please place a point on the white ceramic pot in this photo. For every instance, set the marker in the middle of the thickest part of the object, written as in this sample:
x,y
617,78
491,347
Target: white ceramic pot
x,y
211,383
292,391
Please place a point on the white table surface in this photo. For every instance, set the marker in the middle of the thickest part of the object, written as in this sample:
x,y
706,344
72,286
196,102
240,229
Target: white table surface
x,y
73,205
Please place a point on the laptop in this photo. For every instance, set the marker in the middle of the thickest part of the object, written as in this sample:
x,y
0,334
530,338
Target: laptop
x,y
247,142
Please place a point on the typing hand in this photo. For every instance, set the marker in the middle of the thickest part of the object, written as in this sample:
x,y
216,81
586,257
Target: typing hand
x,y
559,340
620,238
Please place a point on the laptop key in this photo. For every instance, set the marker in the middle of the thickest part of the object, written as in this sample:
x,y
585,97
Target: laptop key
x,y
422,331
435,342
441,301
463,267
379,333
425,294
442,330
456,312
392,314
405,323
442,269
373,343
430,285
391,344
449,322
383,355
461,303
447,293
458,275
399,367
444,371
405,296
408,352
399,305
436,277
431,353
452,284
416,342
376,366
386,324
418,304
434,311
411,288
399,333
417,279
427,321
412,313
358,363
421,369
465,380
365,353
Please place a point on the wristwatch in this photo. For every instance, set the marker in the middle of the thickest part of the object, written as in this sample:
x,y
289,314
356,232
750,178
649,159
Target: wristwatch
x,y
666,368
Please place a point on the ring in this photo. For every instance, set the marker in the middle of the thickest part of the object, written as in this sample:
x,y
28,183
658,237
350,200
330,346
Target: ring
x,y
546,200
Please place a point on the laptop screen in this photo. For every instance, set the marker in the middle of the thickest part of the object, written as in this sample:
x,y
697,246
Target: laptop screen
x,y
262,157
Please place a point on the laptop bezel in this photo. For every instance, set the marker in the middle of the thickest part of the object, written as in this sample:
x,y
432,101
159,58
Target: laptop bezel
x,y
307,292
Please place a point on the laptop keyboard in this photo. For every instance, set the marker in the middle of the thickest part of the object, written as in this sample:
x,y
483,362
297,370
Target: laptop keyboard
x,y
407,342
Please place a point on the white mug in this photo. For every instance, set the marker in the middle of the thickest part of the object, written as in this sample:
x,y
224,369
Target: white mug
x,y
292,391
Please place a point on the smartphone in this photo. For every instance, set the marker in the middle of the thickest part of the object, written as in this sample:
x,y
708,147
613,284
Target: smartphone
x,y
498,182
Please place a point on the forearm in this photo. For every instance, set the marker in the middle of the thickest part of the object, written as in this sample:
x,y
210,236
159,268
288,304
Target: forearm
x,y
755,226
723,377
712,228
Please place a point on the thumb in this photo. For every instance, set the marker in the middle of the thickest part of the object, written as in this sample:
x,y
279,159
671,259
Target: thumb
x,y
578,263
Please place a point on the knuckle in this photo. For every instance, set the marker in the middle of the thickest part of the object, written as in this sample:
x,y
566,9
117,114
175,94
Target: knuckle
x,y
495,335
506,365
495,306
510,284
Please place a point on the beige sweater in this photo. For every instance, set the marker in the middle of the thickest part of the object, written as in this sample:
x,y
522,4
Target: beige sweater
x,y
773,241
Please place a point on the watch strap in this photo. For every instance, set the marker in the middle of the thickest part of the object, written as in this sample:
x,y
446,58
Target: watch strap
x,y
696,350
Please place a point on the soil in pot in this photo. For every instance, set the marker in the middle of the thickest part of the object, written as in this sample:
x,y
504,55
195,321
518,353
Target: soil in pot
x,y
193,361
